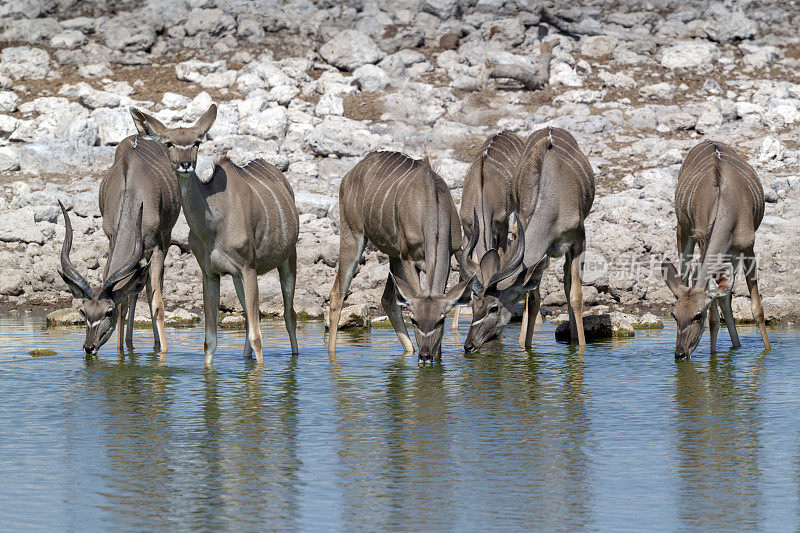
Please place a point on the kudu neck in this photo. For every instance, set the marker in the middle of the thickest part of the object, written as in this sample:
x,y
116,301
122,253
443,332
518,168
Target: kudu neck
x,y
716,244
184,184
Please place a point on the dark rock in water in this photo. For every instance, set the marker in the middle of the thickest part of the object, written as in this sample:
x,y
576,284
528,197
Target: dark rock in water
x,y
599,327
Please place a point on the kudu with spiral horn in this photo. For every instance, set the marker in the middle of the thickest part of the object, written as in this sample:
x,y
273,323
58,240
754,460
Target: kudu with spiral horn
x,y
487,191
127,279
553,191
499,281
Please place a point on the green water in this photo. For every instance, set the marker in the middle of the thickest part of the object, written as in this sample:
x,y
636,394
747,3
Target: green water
x,y
620,438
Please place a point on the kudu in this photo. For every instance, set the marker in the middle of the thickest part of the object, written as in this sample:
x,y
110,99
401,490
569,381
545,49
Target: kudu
x,y
719,204
405,209
552,191
243,221
487,195
124,277
141,175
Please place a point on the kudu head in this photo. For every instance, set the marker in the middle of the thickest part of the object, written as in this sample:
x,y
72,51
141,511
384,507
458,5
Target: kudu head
x,y
499,281
100,310
691,308
181,143
428,312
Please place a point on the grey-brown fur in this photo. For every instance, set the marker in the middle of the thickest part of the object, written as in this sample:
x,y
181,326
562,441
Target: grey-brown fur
x,y
490,192
405,209
488,198
719,204
242,222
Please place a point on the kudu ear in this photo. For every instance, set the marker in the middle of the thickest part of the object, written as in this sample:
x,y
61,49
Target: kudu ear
x,y
147,125
134,285
131,272
490,264
403,290
205,122
459,294
673,279
533,276
512,261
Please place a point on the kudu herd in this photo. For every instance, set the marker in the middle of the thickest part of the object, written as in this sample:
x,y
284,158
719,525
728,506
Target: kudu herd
x,y
523,202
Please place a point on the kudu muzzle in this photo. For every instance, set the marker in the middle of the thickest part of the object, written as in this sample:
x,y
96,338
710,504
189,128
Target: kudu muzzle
x,y
430,344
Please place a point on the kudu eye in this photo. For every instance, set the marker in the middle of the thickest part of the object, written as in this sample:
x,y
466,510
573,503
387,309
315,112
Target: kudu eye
x,y
110,311
698,316
168,144
494,308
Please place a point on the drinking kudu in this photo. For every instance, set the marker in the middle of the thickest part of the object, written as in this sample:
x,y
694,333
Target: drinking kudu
x,y
139,184
487,197
552,191
719,203
243,221
405,209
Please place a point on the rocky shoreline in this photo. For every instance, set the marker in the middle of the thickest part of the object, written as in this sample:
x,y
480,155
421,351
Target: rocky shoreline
x,y
314,86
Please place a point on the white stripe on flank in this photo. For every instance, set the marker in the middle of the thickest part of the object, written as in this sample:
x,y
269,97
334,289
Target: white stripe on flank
x,y
386,192
163,169
377,176
260,180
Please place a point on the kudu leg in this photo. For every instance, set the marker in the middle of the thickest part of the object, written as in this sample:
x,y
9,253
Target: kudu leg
x,y
574,293
288,275
132,299
238,284
751,276
351,246
392,308
727,313
713,324
523,330
211,311
122,312
155,295
456,318
686,250
531,318
253,315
